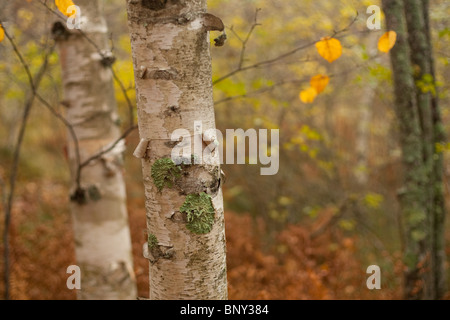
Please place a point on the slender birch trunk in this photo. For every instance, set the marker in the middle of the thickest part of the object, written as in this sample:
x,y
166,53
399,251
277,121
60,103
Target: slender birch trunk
x,y
185,218
98,207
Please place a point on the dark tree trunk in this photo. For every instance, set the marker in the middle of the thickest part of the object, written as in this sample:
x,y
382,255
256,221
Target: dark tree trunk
x,y
439,211
412,198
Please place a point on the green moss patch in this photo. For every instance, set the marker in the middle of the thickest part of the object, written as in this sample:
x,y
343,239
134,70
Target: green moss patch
x,y
152,241
200,212
165,172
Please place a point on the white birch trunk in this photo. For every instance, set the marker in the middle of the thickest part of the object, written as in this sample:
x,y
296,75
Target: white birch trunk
x,y
102,236
172,64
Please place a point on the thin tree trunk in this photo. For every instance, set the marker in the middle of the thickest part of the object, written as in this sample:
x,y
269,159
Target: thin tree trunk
x,y
412,198
98,203
439,210
185,218
421,68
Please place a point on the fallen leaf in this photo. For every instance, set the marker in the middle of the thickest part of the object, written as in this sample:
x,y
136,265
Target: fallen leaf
x,y
319,82
387,41
329,48
308,95
2,33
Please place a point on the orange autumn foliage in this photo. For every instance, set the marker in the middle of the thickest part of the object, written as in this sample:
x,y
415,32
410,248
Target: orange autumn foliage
x,y
287,265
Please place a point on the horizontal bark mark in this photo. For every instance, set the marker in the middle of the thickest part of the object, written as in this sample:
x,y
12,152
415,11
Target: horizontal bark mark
x,y
154,4
169,74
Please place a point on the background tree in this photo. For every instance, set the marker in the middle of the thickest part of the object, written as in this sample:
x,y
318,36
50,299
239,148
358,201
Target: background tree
x,y
420,132
98,196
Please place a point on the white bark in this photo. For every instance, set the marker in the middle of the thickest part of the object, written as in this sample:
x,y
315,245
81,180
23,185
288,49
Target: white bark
x,y
102,236
172,63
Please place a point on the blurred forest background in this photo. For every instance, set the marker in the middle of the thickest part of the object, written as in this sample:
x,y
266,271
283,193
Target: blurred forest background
x,y
308,232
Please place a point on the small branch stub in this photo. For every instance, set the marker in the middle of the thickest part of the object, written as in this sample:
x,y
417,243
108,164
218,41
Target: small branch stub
x,y
108,59
142,72
59,32
212,23
141,149
223,177
220,40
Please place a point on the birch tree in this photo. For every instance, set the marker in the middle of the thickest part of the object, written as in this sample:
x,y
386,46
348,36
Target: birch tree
x,y
184,205
98,198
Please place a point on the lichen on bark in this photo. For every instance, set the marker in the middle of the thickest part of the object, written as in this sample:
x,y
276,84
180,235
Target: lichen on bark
x,y
152,241
165,172
200,212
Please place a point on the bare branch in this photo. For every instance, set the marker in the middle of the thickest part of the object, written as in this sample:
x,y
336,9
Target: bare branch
x,y
69,127
259,91
244,42
294,81
34,84
240,67
127,98
112,146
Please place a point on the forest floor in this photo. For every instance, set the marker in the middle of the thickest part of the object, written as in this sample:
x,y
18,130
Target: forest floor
x,y
289,265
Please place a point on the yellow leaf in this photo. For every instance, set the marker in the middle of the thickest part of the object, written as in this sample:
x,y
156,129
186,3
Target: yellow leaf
x,y
329,48
319,82
2,33
62,6
308,95
387,41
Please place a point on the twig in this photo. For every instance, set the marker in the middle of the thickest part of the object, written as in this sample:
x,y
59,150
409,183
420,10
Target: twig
x,y
112,146
127,98
263,63
281,83
259,91
240,68
34,84
244,42
71,132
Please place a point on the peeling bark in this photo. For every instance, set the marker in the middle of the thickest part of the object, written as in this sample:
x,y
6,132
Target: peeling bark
x,y
172,64
99,214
